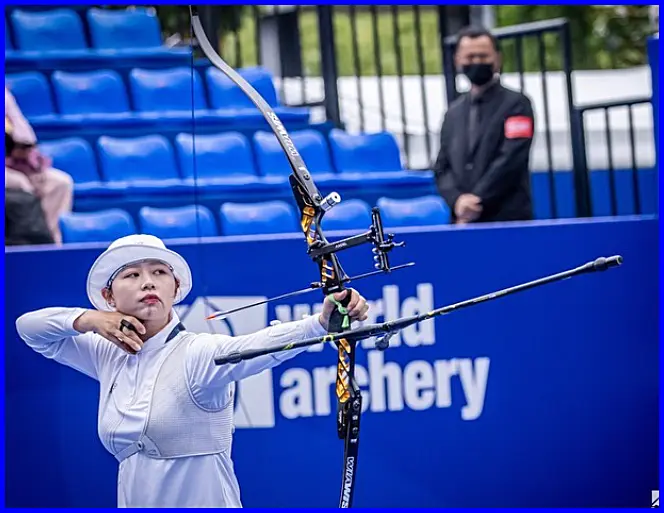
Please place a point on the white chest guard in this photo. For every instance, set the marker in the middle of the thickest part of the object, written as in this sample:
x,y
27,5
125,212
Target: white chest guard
x,y
177,426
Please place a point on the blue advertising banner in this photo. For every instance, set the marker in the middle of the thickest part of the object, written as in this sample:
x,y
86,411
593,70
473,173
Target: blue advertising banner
x,y
547,398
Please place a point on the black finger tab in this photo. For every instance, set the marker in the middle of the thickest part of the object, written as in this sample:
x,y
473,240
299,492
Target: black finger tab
x,y
126,324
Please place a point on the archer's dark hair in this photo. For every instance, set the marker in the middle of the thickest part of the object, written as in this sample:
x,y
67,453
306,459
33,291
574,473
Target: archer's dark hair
x,y
475,31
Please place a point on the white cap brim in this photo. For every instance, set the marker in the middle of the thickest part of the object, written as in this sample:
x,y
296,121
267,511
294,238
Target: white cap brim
x,y
113,259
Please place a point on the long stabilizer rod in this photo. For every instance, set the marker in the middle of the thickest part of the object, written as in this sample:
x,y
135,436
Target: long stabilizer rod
x,y
389,328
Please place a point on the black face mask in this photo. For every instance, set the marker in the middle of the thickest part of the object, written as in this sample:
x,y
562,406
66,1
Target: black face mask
x,y
479,74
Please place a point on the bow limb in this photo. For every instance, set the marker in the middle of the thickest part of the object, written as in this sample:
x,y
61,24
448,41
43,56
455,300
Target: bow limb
x,y
309,200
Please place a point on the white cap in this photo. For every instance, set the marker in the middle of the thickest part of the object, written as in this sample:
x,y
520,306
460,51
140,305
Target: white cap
x,y
132,249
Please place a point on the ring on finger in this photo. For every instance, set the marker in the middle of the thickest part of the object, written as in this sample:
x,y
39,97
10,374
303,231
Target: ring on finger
x,y
125,324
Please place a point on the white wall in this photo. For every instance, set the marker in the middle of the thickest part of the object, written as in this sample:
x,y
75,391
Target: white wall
x,y
589,87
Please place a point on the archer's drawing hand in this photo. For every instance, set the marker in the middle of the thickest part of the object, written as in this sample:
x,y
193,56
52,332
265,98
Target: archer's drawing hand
x,y
107,324
357,307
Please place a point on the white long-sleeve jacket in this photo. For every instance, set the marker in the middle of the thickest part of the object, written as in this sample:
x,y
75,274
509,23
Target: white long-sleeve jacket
x,y
126,398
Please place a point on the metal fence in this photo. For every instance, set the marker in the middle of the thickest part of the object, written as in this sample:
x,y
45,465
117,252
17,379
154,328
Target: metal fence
x,y
371,67
605,108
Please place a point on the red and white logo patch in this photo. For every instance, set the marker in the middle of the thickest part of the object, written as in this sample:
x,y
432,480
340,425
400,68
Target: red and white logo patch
x,y
518,127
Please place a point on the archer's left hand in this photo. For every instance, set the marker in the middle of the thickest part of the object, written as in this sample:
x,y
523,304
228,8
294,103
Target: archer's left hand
x,y
357,307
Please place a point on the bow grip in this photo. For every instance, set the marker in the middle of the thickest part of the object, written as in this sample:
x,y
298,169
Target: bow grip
x,y
339,319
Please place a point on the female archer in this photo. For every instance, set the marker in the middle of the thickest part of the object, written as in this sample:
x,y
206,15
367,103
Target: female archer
x,y
165,408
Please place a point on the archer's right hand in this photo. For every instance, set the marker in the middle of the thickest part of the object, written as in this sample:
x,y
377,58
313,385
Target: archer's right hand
x,y
107,324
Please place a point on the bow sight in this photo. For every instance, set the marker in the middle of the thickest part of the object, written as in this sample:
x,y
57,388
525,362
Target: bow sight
x,y
320,251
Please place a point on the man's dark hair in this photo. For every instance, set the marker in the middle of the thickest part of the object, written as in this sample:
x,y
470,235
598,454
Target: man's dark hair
x,y
475,31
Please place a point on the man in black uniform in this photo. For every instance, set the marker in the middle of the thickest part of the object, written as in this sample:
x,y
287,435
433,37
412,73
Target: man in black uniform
x,y
482,168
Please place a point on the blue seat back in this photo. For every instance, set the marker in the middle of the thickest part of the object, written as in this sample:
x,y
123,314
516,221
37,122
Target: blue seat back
x,y
352,214
311,145
74,156
53,29
177,222
101,226
8,40
165,89
32,93
89,92
364,153
269,217
217,155
423,211
139,158
224,94
132,28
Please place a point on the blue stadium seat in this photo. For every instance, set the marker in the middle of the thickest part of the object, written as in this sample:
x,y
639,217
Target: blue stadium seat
x,y
226,96
269,217
32,93
131,28
100,226
8,41
53,30
423,211
56,39
76,157
178,222
352,214
225,156
94,92
146,164
166,91
364,153
372,159
310,144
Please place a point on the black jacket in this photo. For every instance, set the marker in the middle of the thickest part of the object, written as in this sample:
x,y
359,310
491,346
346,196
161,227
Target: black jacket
x,y
496,167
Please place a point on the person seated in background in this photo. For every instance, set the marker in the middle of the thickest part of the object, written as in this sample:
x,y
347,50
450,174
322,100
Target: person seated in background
x,y
482,169
24,217
27,169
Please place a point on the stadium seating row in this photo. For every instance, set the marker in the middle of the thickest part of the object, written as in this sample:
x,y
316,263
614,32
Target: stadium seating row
x,y
225,161
63,30
230,166
74,99
270,217
60,38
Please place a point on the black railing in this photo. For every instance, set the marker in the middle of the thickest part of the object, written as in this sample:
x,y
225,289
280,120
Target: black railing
x,y
583,167
379,56
374,68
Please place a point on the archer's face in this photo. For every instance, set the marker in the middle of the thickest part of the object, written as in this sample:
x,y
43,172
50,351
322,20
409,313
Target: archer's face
x,y
145,290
